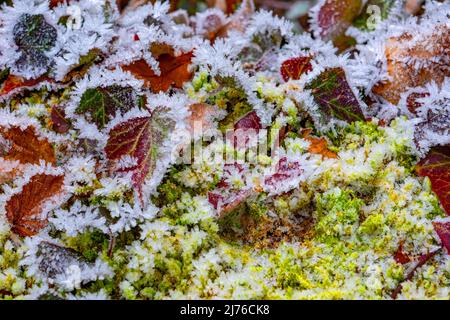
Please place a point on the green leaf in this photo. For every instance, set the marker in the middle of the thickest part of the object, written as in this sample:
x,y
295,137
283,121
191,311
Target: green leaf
x,y
334,96
103,103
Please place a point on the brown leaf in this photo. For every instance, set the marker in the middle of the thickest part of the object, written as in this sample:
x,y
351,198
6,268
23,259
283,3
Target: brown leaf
x,y
24,210
15,82
26,147
434,49
174,69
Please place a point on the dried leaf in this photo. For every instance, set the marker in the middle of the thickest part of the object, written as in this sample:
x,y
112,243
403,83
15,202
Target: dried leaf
x,y
334,96
400,51
24,210
436,166
13,82
174,69
138,138
294,68
400,256
26,147
335,16
201,116
318,145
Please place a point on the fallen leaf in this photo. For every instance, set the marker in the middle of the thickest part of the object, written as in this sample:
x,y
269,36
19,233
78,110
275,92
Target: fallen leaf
x,y
15,82
26,147
138,138
24,209
174,69
436,166
101,104
334,96
335,16
433,49
294,68
59,122
443,231
400,256
318,145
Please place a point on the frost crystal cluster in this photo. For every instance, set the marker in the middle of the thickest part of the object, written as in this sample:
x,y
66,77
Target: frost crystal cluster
x,y
151,153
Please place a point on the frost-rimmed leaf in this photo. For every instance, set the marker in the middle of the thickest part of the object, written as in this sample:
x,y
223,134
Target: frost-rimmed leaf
x,y
294,68
24,210
174,69
335,97
26,147
104,103
34,37
436,166
331,18
139,139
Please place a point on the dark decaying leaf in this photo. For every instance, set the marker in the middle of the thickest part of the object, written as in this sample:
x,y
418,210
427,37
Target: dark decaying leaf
x,y
335,97
294,68
174,69
436,166
140,139
26,147
34,36
104,103
24,209
59,122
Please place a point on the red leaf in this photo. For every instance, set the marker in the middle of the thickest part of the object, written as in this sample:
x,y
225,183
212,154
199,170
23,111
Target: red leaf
x,y
174,69
335,16
15,82
138,138
285,170
436,166
59,122
443,231
294,68
400,256
24,210
26,147
245,128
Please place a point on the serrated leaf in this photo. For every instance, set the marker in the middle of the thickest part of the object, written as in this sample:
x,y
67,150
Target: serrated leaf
x,y
26,147
436,166
294,68
140,139
174,69
24,210
104,103
335,16
334,96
